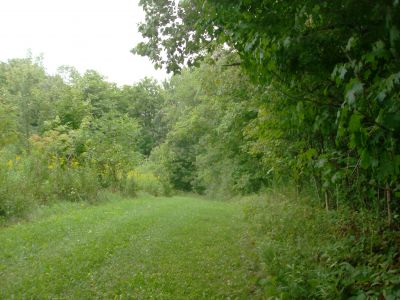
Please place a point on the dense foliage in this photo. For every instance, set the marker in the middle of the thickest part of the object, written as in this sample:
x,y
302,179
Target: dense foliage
x,y
302,94
351,258
69,136
330,74
295,93
206,147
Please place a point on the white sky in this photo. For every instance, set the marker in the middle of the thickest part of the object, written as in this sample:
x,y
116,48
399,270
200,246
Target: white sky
x,y
85,34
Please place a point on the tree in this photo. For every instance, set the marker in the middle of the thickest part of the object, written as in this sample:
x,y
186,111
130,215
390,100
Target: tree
x,y
8,122
332,68
110,144
24,80
144,102
206,148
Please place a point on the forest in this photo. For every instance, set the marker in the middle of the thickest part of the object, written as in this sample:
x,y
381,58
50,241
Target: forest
x,y
290,108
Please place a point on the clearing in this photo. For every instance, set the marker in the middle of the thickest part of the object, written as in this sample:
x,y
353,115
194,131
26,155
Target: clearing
x,y
143,248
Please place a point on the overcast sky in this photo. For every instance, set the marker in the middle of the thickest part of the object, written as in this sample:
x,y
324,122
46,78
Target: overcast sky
x,y
86,34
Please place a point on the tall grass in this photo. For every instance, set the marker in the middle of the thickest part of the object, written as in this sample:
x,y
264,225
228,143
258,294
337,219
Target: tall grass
x,y
34,179
39,178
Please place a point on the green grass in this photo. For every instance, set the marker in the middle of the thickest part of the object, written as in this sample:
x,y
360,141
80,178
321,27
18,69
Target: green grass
x,y
146,248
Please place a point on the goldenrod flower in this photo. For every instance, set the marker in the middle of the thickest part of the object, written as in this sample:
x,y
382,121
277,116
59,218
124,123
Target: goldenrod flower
x,y
10,164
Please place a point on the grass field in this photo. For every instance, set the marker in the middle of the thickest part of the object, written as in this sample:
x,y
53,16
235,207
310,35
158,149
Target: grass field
x,y
144,248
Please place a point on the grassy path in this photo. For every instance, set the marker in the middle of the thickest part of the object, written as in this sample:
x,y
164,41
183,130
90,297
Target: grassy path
x,y
147,248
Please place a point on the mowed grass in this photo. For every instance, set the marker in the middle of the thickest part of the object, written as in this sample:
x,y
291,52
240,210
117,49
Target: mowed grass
x,y
145,248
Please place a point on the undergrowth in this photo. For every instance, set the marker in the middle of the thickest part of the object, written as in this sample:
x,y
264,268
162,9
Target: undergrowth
x,y
306,252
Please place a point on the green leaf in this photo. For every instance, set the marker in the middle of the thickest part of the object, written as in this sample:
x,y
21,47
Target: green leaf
x,y
353,88
250,45
392,121
394,35
355,122
365,159
386,167
351,43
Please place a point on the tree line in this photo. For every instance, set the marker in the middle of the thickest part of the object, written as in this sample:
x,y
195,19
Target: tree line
x,y
69,136
327,73
299,94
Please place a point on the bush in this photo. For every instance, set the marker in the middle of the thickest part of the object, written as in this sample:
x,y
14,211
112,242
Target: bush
x,y
75,184
28,180
128,185
147,182
15,195
153,175
54,178
309,253
144,179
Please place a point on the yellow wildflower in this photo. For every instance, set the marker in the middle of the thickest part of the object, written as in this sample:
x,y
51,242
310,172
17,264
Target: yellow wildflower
x,y
10,164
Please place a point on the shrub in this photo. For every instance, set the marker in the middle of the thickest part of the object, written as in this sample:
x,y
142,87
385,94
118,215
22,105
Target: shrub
x,y
75,184
35,178
309,253
128,185
146,181
15,195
